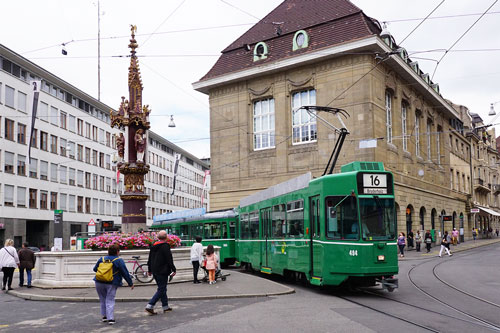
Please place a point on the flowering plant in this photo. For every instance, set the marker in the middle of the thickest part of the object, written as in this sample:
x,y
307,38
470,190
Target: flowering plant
x,y
141,240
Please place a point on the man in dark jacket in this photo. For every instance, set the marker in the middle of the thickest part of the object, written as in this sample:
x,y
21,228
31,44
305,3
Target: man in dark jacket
x,y
27,262
161,265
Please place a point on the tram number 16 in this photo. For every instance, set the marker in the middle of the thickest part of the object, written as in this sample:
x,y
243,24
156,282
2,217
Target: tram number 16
x,y
353,253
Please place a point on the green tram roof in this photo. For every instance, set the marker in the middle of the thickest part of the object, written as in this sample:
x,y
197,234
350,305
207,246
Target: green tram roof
x,y
303,181
288,186
208,216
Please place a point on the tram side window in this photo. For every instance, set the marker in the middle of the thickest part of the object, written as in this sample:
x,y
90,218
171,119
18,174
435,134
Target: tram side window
x,y
196,230
341,218
184,232
232,228
295,218
279,221
254,225
212,230
244,225
224,229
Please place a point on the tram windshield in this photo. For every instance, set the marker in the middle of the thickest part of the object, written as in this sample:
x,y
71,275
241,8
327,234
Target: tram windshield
x,y
377,218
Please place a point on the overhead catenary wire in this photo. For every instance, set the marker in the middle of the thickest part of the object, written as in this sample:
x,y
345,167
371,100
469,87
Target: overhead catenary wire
x,y
461,36
421,22
162,23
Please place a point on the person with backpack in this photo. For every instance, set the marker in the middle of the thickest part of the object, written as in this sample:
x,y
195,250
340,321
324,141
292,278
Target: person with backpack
x,y
445,244
109,273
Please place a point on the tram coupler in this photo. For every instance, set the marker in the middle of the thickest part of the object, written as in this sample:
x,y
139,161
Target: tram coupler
x,y
389,283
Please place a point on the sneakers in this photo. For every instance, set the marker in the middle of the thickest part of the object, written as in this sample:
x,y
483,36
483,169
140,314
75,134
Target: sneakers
x,y
111,322
104,319
28,286
196,282
167,309
150,311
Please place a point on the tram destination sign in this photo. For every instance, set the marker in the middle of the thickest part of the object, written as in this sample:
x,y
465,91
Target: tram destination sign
x,y
374,183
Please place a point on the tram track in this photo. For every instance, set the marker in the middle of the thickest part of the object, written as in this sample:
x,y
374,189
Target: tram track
x,y
483,322
414,323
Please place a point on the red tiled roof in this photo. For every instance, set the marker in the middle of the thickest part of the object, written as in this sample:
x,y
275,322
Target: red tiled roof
x,y
327,22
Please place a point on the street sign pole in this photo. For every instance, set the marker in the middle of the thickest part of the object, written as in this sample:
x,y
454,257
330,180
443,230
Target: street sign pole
x,y
58,230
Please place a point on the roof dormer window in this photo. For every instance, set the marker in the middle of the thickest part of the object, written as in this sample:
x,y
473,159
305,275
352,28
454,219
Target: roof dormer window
x,y
260,51
300,40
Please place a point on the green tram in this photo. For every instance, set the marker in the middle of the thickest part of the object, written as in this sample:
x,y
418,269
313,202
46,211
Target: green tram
x,y
216,228
335,229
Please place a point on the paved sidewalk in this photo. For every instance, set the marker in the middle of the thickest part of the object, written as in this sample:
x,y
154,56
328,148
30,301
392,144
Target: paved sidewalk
x,y
467,245
236,285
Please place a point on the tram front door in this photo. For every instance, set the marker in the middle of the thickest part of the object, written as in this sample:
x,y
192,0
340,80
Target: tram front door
x,y
315,234
265,217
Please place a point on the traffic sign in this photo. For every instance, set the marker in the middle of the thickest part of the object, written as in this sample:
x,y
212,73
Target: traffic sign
x,y
92,222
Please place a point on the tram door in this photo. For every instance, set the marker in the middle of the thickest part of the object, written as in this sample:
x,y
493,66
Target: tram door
x,y
315,233
265,218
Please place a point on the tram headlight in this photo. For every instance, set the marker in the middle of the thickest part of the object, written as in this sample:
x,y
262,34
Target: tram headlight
x,y
381,257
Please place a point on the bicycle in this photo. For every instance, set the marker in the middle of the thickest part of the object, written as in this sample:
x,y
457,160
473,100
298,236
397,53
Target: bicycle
x,y
140,271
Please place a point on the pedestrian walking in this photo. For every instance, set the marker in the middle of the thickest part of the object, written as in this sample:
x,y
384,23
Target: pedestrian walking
x,y
496,231
212,263
27,262
474,233
410,239
9,260
196,258
110,271
401,244
161,265
454,236
448,239
428,240
444,243
418,240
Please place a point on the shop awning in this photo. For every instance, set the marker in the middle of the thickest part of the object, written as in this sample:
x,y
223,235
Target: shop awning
x,y
489,211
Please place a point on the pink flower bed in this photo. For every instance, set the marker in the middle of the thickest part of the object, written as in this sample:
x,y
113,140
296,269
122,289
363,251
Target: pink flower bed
x,y
142,240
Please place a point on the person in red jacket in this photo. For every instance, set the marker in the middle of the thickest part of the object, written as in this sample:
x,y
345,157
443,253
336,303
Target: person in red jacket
x,y
161,265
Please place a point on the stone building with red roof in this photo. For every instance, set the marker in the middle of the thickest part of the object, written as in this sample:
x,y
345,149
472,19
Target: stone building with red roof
x,y
330,53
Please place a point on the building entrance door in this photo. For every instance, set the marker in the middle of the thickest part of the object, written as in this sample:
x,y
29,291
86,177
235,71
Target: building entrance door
x,y
37,233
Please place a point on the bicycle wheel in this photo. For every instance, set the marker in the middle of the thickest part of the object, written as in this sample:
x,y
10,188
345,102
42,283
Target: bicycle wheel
x,y
141,274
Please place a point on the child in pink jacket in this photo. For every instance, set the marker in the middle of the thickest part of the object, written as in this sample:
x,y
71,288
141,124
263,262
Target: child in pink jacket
x,y
211,263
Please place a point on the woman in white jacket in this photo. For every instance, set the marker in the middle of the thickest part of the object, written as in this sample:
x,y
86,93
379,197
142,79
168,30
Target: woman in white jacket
x,y
8,261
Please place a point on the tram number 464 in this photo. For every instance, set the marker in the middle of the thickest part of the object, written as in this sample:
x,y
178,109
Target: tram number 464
x,y
353,253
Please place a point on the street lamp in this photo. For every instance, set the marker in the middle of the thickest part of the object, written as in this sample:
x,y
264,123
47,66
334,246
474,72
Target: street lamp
x,y
171,124
492,109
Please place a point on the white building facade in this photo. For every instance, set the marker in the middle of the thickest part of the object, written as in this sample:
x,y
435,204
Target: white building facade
x,y
71,167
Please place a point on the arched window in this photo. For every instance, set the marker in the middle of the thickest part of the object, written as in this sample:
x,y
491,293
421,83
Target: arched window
x,y
409,213
433,219
260,51
300,40
422,216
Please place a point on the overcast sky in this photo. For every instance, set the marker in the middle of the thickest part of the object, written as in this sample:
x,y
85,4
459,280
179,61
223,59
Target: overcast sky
x,y
191,33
